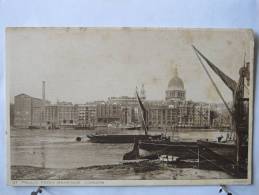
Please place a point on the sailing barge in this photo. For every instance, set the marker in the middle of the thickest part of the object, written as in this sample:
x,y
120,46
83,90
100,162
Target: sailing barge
x,y
152,148
125,138
234,153
230,156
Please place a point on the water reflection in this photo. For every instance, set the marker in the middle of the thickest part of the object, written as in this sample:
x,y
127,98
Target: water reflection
x,y
59,149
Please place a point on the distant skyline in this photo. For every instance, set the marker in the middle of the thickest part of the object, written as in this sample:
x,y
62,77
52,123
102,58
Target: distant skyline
x,y
87,64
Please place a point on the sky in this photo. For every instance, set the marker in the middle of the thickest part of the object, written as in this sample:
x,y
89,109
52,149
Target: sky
x,y
87,64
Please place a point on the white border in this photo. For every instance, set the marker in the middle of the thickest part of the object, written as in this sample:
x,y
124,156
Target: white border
x,y
135,182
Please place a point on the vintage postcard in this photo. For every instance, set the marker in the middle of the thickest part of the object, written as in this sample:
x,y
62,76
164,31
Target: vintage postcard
x,y
129,106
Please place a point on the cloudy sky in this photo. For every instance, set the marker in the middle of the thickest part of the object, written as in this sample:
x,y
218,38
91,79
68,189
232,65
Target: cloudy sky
x,y
85,64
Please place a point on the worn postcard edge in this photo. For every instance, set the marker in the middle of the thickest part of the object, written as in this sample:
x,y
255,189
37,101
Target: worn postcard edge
x,y
246,181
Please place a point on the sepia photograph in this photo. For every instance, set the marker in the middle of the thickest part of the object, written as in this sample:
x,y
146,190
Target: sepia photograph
x,y
129,106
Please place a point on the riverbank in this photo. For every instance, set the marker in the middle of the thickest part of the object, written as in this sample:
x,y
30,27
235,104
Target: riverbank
x,y
131,170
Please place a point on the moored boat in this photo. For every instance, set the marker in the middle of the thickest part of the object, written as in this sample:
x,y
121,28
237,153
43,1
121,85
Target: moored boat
x,y
126,138
120,138
124,126
154,148
226,150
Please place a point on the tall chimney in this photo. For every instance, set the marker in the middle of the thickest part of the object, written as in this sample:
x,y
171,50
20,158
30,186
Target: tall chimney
x,y
43,105
43,91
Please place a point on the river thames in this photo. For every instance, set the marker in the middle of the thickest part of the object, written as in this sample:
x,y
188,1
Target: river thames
x,y
55,154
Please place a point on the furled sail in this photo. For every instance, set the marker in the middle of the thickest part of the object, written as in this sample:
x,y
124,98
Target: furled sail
x,y
238,112
144,113
232,85
227,80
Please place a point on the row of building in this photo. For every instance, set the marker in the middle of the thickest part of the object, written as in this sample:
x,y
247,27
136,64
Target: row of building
x,y
174,110
30,112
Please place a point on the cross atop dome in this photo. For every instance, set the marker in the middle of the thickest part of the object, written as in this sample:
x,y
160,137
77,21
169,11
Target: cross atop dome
x,y
175,71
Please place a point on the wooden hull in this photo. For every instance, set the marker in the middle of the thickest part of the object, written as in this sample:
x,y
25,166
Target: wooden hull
x,y
225,150
132,128
184,150
120,138
224,157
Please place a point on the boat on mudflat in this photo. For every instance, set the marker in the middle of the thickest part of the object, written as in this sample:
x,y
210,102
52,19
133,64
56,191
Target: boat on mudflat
x,y
166,146
225,150
151,149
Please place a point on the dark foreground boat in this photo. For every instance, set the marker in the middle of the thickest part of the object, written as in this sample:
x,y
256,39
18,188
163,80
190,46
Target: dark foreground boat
x,y
225,150
152,149
121,138
181,149
166,147
223,156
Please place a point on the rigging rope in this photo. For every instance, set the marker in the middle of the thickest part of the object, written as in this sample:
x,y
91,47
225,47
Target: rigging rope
x,y
214,84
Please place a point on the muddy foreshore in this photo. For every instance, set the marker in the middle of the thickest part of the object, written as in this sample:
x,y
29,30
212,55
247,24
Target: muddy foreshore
x,y
129,170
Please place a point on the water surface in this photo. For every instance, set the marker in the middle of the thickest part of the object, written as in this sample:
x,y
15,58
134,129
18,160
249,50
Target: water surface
x,y
59,148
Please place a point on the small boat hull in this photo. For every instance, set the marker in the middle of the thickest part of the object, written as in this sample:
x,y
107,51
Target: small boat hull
x,y
180,149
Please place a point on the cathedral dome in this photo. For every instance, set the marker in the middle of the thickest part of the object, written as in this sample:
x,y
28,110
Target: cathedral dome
x,y
175,90
176,83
